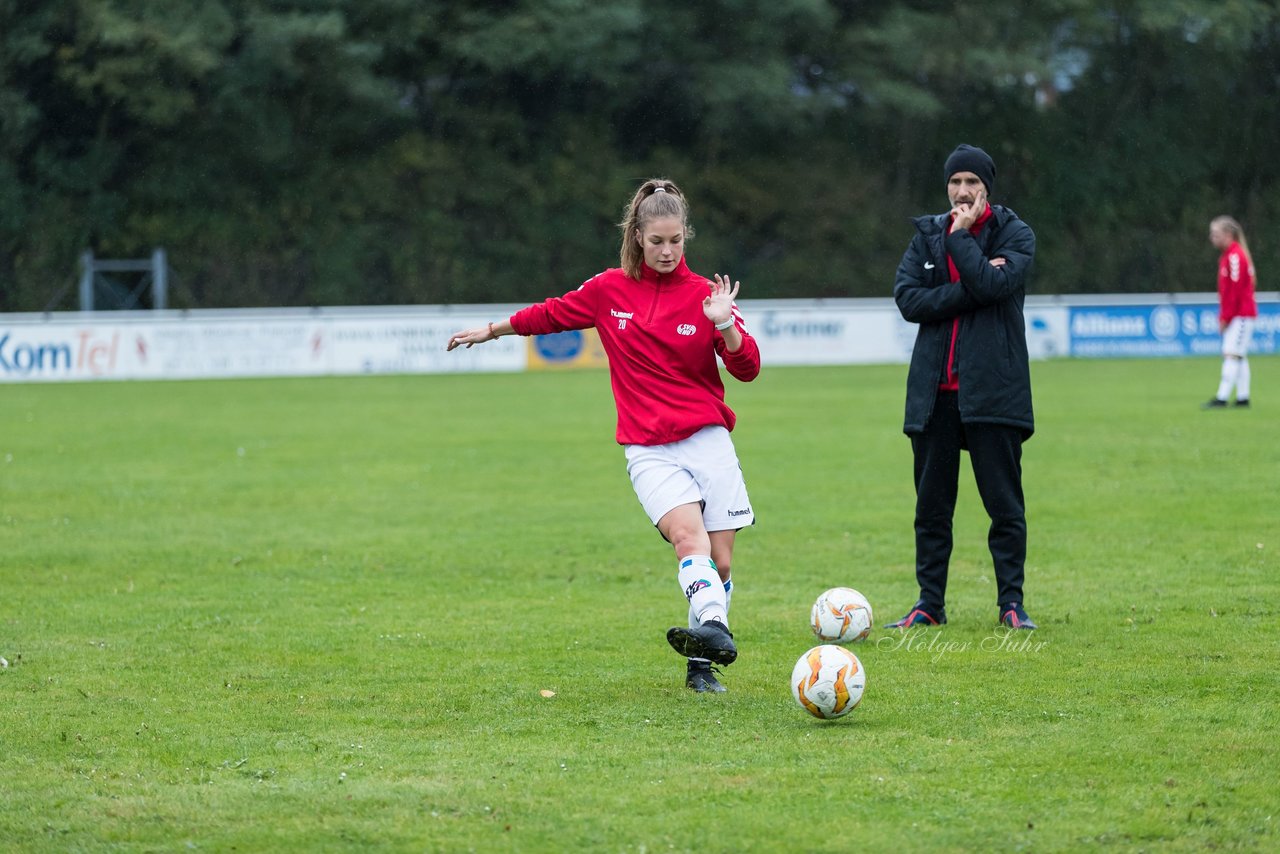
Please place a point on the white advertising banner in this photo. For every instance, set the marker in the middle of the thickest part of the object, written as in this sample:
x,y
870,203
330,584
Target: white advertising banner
x,y
225,344
416,345
1048,328
828,332
231,348
869,331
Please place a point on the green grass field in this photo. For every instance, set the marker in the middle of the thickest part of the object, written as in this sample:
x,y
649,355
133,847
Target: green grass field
x,y
319,615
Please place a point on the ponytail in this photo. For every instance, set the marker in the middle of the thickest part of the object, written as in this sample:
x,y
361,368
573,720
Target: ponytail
x,y
657,198
1229,225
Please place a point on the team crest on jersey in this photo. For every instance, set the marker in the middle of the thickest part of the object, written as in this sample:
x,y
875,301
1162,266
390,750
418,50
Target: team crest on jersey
x,y
686,329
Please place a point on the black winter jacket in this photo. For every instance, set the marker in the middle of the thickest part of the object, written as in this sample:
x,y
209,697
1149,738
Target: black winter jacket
x,y
991,348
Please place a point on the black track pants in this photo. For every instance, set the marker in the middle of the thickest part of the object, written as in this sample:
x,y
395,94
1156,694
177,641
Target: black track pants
x,y
996,453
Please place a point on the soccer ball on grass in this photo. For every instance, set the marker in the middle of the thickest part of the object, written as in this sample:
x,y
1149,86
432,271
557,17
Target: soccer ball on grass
x,y
828,681
841,615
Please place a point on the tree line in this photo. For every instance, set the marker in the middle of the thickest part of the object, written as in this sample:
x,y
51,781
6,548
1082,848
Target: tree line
x,y
326,152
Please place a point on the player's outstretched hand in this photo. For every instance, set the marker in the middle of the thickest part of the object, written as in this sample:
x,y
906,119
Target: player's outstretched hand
x,y
718,305
470,337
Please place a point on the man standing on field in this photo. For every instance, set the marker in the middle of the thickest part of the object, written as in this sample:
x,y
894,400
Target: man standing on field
x,y
963,280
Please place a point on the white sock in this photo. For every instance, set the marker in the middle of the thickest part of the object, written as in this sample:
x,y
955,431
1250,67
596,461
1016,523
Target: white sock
x,y
1230,369
728,597
1242,380
702,587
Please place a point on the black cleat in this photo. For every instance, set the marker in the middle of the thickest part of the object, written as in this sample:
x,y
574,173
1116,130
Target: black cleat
x,y
702,677
920,615
711,641
1242,404
1013,616
1216,403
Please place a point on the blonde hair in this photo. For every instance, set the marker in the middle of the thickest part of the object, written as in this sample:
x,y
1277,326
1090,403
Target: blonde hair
x,y
657,198
1230,226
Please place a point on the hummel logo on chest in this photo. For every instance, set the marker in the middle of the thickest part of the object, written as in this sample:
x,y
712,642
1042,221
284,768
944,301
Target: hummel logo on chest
x,y
623,317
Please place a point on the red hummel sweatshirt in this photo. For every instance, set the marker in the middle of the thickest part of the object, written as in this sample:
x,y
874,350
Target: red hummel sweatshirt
x,y
1235,285
661,347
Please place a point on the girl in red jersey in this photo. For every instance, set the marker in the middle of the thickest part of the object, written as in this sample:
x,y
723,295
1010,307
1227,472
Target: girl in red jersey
x,y
1237,309
662,328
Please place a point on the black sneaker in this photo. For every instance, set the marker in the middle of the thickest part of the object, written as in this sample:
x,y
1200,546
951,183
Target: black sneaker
x,y
1216,403
702,677
1014,617
920,615
711,641
1242,404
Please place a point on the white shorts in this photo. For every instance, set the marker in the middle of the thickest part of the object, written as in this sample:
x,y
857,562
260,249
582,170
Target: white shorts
x,y
701,469
1237,337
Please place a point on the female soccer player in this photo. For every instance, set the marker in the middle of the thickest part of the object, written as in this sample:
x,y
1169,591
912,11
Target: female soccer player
x,y
1237,309
662,327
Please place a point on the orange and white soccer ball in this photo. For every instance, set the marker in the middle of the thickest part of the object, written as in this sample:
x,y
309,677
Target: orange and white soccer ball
x,y
841,615
828,681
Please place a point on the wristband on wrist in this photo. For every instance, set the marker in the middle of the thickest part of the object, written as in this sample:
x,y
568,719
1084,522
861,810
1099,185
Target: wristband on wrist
x,y
494,335
723,326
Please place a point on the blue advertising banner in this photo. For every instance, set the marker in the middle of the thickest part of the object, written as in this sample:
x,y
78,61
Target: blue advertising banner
x,y
1160,329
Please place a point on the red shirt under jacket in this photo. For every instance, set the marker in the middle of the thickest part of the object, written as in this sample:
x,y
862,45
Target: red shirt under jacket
x,y
1235,285
661,347
951,380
